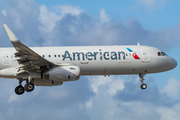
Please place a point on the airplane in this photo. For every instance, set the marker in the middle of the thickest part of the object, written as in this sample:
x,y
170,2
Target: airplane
x,y
51,66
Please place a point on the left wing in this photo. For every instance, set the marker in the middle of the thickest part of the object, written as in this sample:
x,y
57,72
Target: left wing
x,y
28,59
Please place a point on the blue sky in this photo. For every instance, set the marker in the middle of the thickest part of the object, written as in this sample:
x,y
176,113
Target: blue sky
x,y
71,23
155,14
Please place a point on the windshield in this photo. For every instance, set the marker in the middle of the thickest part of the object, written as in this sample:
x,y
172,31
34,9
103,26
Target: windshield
x,y
161,54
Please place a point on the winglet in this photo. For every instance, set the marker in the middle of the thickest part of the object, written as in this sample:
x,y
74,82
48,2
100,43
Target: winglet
x,y
11,35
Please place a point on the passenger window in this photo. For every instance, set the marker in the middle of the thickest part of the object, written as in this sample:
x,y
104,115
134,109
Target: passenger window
x,y
58,55
43,56
49,55
54,55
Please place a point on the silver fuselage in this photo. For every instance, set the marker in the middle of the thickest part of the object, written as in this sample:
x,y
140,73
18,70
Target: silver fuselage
x,y
99,60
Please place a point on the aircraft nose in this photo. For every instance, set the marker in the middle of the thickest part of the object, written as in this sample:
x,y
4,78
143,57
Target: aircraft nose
x,y
173,63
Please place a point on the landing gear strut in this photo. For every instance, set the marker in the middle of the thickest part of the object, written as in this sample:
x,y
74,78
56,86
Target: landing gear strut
x,y
29,86
143,85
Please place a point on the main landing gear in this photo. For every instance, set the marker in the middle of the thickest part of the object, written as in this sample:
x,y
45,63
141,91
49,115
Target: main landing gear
x,y
28,87
143,86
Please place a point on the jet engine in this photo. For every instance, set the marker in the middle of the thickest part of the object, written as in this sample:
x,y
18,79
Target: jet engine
x,y
63,73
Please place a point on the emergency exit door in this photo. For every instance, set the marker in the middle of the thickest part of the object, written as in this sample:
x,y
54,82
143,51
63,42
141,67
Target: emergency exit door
x,y
6,58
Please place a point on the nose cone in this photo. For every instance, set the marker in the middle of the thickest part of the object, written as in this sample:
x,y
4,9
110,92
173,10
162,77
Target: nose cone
x,y
170,63
173,63
165,63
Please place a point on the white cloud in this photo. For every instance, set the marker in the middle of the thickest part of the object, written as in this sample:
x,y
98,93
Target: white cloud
x,y
151,4
48,19
89,104
104,17
115,85
73,10
4,12
96,82
13,97
168,113
172,88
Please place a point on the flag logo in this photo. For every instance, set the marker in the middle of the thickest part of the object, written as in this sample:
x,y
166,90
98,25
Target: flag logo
x,y
133,53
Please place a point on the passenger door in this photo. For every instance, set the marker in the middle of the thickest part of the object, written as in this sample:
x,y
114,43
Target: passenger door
x,y
145,55
6,58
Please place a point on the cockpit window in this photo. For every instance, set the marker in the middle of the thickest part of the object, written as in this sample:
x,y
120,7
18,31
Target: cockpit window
x,y
161,54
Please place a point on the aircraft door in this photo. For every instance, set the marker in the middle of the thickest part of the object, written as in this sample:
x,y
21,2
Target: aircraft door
x,y
6,58
145,55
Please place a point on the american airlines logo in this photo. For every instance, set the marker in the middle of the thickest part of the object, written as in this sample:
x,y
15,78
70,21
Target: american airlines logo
x,y
120,55
94,55
133,53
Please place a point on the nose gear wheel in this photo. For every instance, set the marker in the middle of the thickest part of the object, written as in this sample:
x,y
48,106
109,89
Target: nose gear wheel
x,y
143,85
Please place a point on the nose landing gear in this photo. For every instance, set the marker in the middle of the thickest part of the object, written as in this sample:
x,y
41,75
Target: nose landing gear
x,y
143,85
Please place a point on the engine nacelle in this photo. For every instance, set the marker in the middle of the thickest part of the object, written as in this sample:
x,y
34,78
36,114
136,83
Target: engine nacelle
x,y
63,73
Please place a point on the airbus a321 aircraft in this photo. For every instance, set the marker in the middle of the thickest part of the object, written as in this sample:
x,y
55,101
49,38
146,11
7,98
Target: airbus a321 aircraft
x,y
51,66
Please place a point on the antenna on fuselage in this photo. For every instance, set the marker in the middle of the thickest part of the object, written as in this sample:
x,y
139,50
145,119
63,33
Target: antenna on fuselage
x,y
138,44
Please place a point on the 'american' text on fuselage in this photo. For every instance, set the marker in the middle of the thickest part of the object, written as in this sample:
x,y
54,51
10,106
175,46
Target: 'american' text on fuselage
x,y
94,55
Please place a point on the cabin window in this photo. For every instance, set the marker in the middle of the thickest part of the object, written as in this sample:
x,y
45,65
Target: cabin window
x,y
43,56
54,55
58,55
49,55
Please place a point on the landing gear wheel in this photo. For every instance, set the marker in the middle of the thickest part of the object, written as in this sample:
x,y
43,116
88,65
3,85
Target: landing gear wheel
x,y
29,87
19,90
143,86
